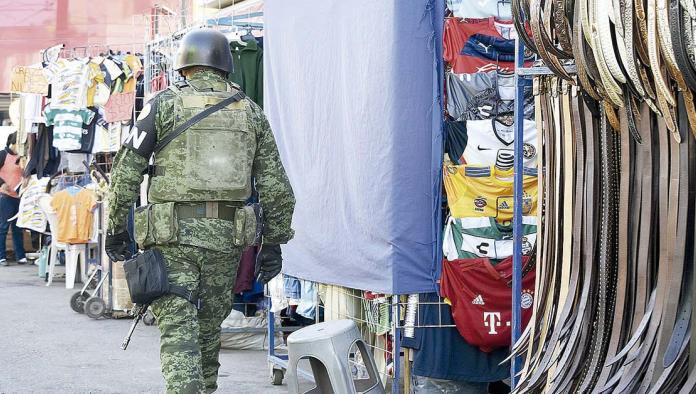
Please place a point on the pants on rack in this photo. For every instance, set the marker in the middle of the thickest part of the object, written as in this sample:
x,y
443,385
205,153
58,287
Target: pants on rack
x,y
9,206
190,338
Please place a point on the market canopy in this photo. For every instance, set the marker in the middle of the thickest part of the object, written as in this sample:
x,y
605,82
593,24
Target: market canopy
x,y
353,95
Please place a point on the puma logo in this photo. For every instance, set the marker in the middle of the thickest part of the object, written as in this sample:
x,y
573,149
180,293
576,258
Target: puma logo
x,y
484,46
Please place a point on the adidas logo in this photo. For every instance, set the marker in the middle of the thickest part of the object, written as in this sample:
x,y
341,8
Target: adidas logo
x,y
504,205
478,300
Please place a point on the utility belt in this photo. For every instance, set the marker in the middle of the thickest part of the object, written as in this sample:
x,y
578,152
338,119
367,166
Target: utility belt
x,y
158,223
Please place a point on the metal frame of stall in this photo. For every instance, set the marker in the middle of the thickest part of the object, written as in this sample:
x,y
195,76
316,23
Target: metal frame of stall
x,y
280,361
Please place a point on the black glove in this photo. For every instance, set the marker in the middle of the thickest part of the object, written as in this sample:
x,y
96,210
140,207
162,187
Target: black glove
x,y
269,262
118,246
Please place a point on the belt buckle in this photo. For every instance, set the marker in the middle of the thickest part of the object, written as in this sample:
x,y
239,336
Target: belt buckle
x,y
212,209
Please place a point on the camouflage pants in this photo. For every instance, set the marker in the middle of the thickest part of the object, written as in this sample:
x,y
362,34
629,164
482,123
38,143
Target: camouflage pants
x,y
190,338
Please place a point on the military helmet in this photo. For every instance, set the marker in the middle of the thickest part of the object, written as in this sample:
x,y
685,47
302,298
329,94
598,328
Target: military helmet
x,y
204,47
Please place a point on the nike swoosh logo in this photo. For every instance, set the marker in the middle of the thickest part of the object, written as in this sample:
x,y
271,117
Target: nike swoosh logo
x,y
479,148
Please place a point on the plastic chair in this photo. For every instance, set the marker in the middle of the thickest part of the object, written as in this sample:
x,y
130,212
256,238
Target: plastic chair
x,y
73,252
328,346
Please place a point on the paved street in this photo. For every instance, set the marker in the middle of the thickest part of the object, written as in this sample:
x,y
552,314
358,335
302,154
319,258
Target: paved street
x,y
45,347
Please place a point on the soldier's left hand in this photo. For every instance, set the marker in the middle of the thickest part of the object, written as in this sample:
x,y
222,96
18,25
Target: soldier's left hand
x,y
269,263
118,246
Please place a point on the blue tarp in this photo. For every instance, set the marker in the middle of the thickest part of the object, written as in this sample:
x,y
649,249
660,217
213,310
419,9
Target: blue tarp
x,y
353,94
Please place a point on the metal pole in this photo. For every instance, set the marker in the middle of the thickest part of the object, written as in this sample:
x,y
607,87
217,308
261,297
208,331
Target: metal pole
x,y
516,363
396,350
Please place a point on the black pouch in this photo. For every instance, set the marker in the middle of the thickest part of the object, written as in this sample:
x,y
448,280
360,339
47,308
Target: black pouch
x,y
147,276
148,279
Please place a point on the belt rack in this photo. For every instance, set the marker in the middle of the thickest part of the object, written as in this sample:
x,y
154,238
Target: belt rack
x,y
521,72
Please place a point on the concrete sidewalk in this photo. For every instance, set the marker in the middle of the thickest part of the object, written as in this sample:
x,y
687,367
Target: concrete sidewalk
x,y
45,347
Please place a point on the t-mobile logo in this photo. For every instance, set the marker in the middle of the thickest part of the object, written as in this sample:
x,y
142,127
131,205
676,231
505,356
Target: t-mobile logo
x,y
491,320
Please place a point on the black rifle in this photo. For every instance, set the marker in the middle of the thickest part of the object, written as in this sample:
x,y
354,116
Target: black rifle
x,y
138,312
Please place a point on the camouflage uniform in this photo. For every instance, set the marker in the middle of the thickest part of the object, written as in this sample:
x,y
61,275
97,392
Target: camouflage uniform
x,y
205,257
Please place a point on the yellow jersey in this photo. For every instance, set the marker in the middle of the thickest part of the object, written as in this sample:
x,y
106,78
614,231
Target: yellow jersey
x,y
474,191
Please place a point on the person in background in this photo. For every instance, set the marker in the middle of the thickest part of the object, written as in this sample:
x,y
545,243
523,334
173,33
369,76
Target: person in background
x,y
11,177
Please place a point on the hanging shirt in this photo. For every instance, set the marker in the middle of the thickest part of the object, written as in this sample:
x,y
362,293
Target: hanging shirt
x,y
479,45
69,81
248,69
442,353
483,95
96,80
481,299
88,133
68,124
466,238
30,215
75,214
136,67
112,68
490,142
486,191
455,140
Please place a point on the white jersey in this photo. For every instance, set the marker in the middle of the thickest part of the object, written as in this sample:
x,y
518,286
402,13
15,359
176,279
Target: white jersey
x,y
491,143
468,238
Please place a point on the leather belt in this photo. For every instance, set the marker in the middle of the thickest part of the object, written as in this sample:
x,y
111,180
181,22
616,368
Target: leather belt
x,y
210,210
617,234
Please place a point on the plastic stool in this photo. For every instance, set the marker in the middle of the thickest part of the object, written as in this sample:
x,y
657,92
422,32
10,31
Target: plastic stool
x,y
327,346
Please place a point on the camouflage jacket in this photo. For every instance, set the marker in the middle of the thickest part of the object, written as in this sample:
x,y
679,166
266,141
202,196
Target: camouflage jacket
x,y
155,121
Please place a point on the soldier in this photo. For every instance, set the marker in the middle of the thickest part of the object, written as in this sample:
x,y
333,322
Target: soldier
x,y
198,184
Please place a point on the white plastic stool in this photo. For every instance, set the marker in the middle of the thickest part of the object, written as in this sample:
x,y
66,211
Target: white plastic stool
x,y
327,346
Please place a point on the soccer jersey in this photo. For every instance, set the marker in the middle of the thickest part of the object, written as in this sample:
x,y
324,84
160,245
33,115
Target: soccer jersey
x,y
479,45
442,353
474,191
490,143
481,299
467,238
68,123
483,95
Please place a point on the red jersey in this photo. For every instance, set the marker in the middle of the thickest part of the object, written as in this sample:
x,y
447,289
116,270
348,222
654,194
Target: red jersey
x,y
479,45
482,300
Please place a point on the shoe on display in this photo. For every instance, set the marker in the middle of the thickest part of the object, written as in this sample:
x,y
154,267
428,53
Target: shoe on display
x,y
4,262
22,261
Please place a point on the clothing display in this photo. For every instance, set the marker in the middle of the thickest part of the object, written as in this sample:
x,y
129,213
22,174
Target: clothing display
x,y
473,237
67,126
70,80
490,143
442,353
455,140
487,191
481,299
44,159
30,215
479,45
74,207
484,95
247,57
479,140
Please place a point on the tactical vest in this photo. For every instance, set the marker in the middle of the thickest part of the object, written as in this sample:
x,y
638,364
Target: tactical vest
x,y
210,161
